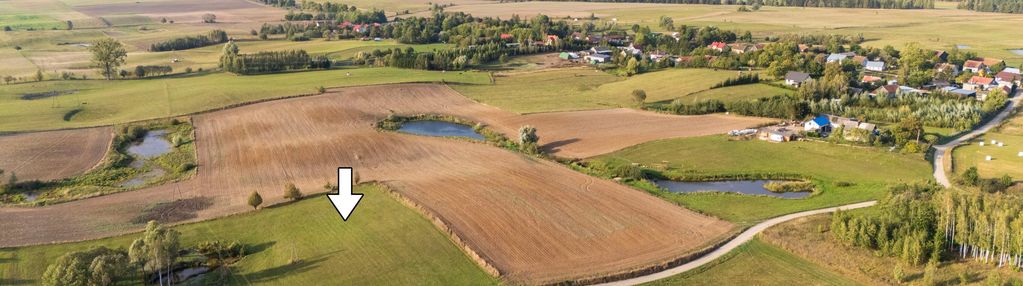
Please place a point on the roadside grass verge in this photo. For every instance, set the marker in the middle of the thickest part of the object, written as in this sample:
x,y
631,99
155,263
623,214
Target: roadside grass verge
x,y
566,89
757,263
384,242
842,174
118,101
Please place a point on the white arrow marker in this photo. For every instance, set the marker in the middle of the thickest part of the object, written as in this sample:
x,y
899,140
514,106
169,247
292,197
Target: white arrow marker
x,y
344,201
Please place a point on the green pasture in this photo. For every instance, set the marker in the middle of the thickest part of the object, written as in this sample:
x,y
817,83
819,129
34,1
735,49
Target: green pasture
x,y
736,93
1005,160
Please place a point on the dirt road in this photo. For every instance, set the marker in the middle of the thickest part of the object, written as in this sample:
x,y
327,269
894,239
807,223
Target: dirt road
x,y
739,240
943,150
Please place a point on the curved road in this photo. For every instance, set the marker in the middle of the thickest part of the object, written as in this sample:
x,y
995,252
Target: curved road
x,y
941,150
731,245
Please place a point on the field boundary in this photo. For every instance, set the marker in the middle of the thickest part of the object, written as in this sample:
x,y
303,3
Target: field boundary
x,y
443,227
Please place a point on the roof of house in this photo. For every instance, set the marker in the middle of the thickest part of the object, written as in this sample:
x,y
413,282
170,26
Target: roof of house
x,y
888,88
796,76
973,64
506,36
867,126
944,66
991,61
874,65
836,57
1011,70
870,78
601,49
602,56
718,45
859,59
1008,76
821,120
803,47
963,92
981,80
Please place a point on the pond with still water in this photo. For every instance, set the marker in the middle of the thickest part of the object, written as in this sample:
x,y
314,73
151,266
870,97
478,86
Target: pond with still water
x,y
151,146
747,187
439,129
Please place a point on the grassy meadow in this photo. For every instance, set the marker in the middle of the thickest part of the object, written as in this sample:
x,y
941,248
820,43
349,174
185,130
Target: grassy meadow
x,y
101,102
1005,160
757,263
586,88
383,243
736,93
868,170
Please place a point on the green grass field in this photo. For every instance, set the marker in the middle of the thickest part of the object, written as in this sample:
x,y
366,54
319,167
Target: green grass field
x,y
736,93
383,243
586,88
868,169
1005,160
109,102
757,263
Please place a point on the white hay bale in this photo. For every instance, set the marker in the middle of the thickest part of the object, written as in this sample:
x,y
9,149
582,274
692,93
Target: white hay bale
x,y
993,141
981,144
1020,154
988,158
1001,144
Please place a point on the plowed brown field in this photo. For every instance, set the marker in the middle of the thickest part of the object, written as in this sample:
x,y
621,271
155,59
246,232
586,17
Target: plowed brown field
x,y
533,220
53,154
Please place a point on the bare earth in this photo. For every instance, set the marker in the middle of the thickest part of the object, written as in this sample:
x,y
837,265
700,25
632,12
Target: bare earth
x,y
53,154
532,220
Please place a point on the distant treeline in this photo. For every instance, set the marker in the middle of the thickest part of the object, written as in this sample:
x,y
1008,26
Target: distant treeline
x,y
875,4
1003,6
339,12
212,38
280,3
274,61
446,59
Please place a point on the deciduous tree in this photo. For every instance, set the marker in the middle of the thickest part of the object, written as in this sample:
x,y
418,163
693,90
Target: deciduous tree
x,y
107,55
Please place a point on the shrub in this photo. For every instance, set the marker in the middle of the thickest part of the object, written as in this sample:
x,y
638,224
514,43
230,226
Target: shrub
x,y
185,167
789,187
255,200
217,251
291,192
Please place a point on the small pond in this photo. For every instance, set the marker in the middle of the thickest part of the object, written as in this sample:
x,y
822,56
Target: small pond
x,y
961,46
748,187
1017,51
439,129
151,146
141,179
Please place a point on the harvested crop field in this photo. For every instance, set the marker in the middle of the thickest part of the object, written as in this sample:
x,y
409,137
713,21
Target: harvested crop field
x,y
532,220
53,154
187,10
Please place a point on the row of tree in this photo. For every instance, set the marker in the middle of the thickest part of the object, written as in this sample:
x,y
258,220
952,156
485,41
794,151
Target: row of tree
x,y
1003,6
269,61
211,38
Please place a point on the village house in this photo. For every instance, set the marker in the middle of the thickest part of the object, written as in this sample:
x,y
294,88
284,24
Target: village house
x,y
877,66
1011,70
795,78
888,89
717,46
973,66
947,67
600,50
820,124
658,56
989,62
960,92
836,58
870,79
942,55
597,58
1008,79
979,83
568,56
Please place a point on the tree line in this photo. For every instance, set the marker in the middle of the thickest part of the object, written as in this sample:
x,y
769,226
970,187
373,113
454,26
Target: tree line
x,y
874,4
269,61
211,38
924,223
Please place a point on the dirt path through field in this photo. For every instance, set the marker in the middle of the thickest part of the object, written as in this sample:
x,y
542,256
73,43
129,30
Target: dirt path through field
x,y
533,220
